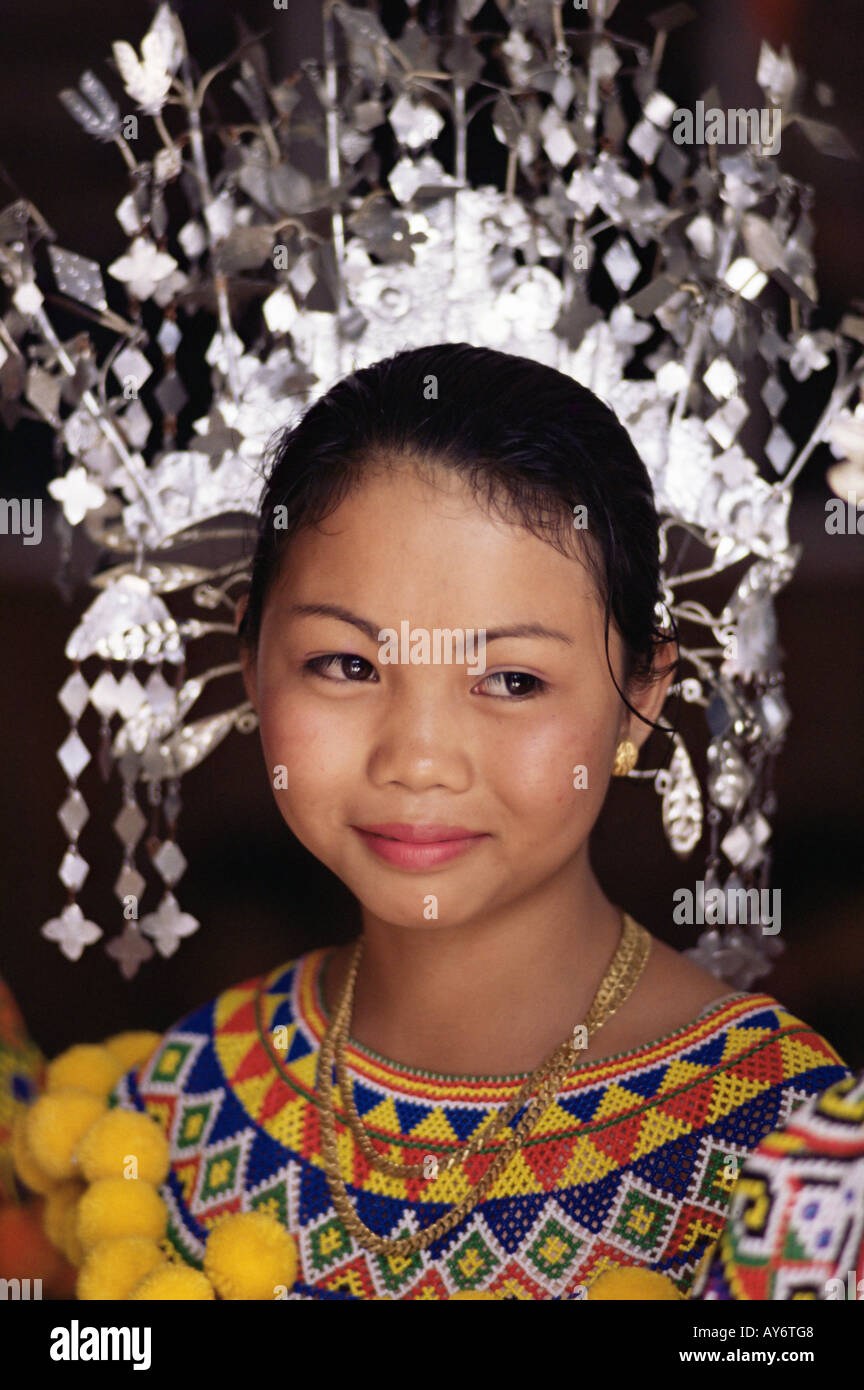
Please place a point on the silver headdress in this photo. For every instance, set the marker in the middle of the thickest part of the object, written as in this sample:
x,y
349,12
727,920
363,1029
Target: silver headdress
x,y
676,282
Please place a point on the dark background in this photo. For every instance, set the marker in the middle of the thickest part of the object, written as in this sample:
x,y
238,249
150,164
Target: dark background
x,y
260,896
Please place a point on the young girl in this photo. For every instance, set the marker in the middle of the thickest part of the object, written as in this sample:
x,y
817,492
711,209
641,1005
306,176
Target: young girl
x,y
531,1088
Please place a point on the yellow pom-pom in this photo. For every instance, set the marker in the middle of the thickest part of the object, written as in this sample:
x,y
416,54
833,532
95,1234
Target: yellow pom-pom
x,y
172,1281
55,1125
113,1207
131,1049
26,1167
119,1136
249,1255
58,1213
86,1067
60,1219
632,1282
72,1247
112,1268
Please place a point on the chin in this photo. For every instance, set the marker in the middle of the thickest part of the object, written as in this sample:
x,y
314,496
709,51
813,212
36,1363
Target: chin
x,y
406,910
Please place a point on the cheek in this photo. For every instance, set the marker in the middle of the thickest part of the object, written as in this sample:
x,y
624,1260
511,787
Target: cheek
x,y
307,742
559,769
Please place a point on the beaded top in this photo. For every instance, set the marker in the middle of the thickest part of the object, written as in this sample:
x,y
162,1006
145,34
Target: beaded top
x,y
633,1163
796,1221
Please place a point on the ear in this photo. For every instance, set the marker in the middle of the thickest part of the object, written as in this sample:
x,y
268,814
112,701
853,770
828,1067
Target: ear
x,y
649,698
247,656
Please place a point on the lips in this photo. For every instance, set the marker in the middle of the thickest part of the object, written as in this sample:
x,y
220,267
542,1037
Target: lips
x,y
419,846
419,834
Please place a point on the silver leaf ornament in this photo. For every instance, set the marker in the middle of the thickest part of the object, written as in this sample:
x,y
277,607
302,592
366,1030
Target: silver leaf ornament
x,y
682,802
187,747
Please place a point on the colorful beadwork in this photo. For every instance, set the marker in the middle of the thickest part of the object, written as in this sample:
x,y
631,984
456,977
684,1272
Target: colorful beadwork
x,y
796,1215
632,1164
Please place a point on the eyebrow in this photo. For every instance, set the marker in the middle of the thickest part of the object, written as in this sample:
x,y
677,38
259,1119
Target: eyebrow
x,y
371,630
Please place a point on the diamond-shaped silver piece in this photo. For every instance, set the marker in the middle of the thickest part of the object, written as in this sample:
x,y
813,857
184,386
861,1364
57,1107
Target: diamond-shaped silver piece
x,y
754,858
622,265
779,449
78,276
604,60
353,145
645,141
415,124
725,423
103,696
672,162
74,869
171,394
192,238
128,216
558,140
302,276
170,861
130,824
721,379
169,337
736,844
773,395
220,215
774,714
43,391
560,145
702,233
73,756
73,814
659,109
723,324
582,190
160,695
74,694
130,884
758,828
131,363
130,696
136,423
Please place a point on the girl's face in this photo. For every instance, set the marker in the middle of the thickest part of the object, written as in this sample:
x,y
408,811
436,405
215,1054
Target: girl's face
x,y
493,757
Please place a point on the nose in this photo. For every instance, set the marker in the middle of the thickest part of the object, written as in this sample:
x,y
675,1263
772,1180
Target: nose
x,y
421,742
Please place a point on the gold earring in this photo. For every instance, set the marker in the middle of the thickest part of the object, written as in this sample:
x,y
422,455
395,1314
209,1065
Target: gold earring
x,y
626,755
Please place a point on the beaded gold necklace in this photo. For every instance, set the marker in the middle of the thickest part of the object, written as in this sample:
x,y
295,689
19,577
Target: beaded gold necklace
x,y
617,984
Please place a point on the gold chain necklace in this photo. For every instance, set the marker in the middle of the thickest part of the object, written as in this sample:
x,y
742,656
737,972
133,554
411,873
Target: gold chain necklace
x,y
625,969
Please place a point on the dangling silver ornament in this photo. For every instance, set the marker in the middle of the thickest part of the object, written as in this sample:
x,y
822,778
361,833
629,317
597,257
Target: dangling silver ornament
x,y
729,778
682,801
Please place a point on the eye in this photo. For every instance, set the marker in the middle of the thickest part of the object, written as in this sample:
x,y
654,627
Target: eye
x,y
353,668
526,685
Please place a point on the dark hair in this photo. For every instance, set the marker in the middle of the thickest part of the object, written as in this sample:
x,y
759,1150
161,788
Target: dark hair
x,y
518,432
